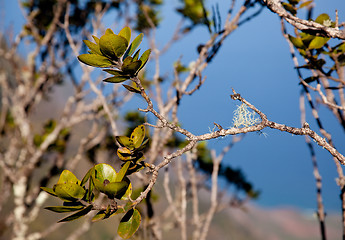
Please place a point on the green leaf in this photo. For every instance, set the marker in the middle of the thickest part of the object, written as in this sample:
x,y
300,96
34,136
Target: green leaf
x,y
49,190
93,47
78,214
322,17
113,72
69,191
138,135
297,42
136,55
131,68
122,173
124,141
86,177
144,58
318,42
113,46
124,154
129,224
143,145
63,209
290,8
96,39
305,4
131,89
103,174
134,45
95,60
126,34
67,177
116,189
116,79
103,214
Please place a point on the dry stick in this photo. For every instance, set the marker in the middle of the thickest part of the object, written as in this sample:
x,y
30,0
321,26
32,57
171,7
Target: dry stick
x,y
320,207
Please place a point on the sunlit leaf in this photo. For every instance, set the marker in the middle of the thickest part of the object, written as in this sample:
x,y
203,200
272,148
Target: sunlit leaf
x,y
124,153
103,174
124,141
144,58
78,214
69,191
117,79
63,209
131,89
305,4
318,42
49,190
297,42
113,72
138,135
122,173
95,60
67,177
129,224
93,47
321,18
136,55
134,45
112,46
126,34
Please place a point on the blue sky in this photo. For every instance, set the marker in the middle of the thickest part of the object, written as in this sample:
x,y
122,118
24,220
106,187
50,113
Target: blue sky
x,y
255,61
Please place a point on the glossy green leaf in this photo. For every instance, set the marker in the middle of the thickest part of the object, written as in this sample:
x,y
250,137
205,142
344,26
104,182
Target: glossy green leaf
x,y
112,46
126,34
93,47
69,191
131,89
122,173
318,42
95,60
113,72
322,17
129,224
116,189
117,79
297,42
49,190
138,135
103,173
144,58
67,177
124,141
63,209
134,45
78,214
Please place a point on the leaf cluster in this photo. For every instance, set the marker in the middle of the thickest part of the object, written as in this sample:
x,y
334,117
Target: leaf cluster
x,y
79,195
117,54
314,49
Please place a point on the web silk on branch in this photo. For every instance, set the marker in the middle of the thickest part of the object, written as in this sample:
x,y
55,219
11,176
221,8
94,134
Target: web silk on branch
x,y
244,117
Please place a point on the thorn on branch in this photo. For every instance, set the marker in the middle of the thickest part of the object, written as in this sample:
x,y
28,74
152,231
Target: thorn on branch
x,y
218,126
